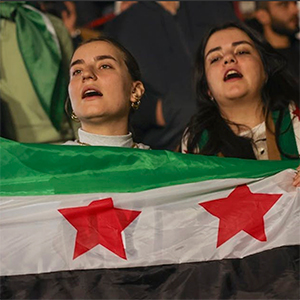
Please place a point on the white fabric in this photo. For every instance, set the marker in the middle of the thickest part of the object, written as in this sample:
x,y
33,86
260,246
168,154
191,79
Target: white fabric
x,y
171,228
105,140
258,134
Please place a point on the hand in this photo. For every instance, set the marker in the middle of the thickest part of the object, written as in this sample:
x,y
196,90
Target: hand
x,y
296,181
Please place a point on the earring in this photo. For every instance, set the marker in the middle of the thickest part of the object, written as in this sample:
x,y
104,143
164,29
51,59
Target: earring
x,y
74,117
211,98
136,105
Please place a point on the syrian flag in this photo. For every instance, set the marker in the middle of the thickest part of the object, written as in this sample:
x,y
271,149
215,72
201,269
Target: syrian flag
x,y
116,223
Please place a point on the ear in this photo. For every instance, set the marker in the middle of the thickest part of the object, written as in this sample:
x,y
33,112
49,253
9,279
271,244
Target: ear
x,y
137,91
263,17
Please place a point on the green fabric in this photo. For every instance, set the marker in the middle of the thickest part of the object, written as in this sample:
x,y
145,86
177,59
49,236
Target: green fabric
x,y
287,140
42,57
22,114
203,140
37,169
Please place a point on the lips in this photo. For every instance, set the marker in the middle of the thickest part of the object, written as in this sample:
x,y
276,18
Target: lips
x,y
91,91
232,74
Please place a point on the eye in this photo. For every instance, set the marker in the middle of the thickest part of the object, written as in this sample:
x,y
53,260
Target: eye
x,y
283,4
76,72
105,67
214,59
241,52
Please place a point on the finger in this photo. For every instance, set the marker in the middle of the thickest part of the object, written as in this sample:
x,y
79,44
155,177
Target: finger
x,y
70,7
296,181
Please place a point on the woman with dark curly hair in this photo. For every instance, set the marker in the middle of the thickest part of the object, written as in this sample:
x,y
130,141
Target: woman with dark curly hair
x,y
247,100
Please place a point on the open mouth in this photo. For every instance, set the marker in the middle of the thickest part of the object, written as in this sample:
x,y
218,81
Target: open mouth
x,y
232,74
91,93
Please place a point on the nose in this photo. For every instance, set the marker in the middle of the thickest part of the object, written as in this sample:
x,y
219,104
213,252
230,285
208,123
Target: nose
x,y
229,59
88,74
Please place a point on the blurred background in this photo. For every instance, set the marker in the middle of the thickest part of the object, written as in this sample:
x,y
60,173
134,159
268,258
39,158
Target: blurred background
x,y
162,35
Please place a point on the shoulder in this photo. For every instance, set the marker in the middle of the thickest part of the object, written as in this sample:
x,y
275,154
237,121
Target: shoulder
x,y
293,107
141,146
295,117
184,142
62,33
71,143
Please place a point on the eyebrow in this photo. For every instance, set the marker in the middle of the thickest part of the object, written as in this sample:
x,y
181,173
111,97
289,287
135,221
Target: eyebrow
x,y
233,44
97,58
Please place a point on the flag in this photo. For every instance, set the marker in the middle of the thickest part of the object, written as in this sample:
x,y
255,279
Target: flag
x,y
40,50
117,223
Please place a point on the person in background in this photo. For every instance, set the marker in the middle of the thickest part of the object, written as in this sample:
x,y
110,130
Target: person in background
x,y
67,12
35,49
247,102
280,24
121,6
163,35
105,86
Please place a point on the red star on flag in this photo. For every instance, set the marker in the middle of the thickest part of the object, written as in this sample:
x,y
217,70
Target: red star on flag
x,y
99,223
296,112
241,210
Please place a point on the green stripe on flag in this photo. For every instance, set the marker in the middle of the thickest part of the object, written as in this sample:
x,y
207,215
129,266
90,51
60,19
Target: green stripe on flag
x,y
43,169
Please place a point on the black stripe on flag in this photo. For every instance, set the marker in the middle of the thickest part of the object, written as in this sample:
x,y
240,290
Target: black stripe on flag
x,y
272,274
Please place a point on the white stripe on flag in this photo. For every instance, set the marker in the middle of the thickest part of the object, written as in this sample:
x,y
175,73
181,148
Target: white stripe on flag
x,y
171,228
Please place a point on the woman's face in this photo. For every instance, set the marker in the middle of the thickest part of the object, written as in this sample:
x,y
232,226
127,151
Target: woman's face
x,y
233,67
100,86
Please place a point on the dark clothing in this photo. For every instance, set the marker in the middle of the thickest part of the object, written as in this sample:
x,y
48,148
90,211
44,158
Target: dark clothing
x,y
197,17
164,46
89,11
292,56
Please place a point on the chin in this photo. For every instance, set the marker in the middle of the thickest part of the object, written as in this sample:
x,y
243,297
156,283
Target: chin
x,y
235,96
92,112
236,93
90,117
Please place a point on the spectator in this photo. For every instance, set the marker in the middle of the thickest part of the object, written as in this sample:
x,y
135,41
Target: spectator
x,y
35,49
163,36
67,11
104,87
280,24
247,100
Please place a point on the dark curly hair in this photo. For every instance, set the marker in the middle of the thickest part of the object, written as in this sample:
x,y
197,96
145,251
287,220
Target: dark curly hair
x,y
278,92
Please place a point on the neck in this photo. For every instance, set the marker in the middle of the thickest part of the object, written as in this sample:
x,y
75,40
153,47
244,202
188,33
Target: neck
x,y
112,128
248,114
170,6
276,40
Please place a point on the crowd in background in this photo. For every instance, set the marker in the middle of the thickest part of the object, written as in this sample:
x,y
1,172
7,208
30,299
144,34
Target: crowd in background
x,y
163,37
